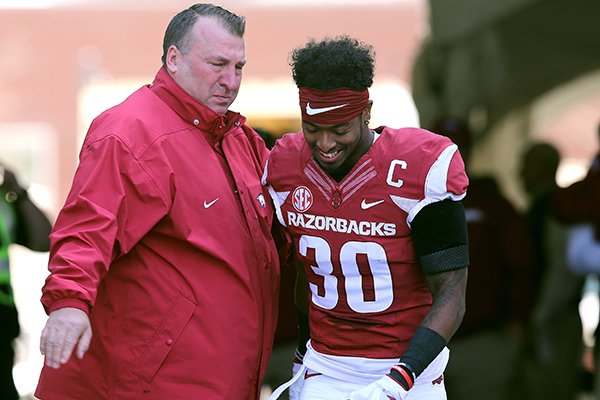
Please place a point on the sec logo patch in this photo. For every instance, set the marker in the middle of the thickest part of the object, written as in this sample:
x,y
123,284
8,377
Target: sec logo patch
x,y
302,198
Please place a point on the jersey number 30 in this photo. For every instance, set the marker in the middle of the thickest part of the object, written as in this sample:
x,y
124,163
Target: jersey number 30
x,y
353,280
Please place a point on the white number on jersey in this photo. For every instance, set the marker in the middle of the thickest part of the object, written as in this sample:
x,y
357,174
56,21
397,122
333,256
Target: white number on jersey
x,y
378,266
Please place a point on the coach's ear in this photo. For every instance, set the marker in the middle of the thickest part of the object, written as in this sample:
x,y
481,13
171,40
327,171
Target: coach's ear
x,y
172,59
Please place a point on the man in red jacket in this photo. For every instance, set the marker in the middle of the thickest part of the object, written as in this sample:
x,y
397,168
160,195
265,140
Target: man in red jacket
x,y
163,267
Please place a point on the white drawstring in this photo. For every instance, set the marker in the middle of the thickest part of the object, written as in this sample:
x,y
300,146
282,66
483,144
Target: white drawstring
x,y
275,395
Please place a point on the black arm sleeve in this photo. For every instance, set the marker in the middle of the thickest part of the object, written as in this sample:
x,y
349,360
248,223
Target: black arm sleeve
x,y
440,237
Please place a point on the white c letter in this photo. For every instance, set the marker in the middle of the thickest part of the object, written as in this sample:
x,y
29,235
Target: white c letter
x,y
390,174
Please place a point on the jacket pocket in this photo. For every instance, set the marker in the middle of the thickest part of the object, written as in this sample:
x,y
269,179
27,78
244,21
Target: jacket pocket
x,y
165,337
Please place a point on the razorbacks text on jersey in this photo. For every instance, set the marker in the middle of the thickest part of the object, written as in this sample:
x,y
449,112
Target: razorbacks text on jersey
x,y
368,294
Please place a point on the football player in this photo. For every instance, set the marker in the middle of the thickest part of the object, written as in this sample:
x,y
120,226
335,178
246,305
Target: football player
x,y
379,230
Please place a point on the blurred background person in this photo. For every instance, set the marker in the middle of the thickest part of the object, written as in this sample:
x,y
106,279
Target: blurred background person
x,y
485,349
579,205
553,365
23,223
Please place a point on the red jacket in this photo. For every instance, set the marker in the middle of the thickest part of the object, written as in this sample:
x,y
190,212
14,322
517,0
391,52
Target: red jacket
x,y
178,273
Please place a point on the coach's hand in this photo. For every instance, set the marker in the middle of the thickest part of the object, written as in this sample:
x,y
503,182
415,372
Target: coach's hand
x,y
66,329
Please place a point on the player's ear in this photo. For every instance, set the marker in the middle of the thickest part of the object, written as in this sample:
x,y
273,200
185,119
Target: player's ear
x,y
366,113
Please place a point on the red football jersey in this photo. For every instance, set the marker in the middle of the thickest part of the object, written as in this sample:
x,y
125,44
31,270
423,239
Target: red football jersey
x,y
368,294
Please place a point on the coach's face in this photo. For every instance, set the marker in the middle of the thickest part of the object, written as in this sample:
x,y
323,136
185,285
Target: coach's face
x,y
210,69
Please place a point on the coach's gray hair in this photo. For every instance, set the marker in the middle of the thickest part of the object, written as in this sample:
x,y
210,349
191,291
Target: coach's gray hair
x,y
179,30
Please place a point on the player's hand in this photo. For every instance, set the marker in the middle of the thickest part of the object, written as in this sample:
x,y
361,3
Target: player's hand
x,y
67,329
383,389
296,387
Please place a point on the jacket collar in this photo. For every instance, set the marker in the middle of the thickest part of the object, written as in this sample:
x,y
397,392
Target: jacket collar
x,y
192,110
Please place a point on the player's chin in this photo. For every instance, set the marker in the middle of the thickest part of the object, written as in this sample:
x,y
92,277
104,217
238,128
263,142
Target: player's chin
x,y
330,167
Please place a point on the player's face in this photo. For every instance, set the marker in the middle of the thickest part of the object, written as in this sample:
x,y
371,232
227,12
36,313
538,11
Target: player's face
x,y
211,68
336,148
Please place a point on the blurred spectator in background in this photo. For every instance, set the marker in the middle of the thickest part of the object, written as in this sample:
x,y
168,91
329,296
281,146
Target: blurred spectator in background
x,y
554,339
21,222
485,350
579,204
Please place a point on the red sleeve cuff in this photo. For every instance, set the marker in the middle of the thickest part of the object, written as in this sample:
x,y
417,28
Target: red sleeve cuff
x,y
64,303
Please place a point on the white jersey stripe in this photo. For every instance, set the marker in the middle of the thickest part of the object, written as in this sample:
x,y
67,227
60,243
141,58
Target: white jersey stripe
x,y
435,183
310,174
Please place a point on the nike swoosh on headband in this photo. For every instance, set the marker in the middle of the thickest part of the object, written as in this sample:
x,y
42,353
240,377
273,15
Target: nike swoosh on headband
x,y
315,111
